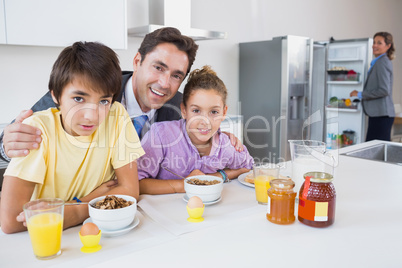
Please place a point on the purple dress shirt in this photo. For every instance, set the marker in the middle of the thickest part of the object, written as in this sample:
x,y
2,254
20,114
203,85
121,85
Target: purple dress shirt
x,y
167,144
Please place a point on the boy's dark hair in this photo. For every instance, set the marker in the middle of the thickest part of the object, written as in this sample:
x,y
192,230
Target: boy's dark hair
x,y
169,35
93,63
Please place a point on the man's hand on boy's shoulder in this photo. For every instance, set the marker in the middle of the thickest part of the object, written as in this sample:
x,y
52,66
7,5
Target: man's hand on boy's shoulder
x,y
19,138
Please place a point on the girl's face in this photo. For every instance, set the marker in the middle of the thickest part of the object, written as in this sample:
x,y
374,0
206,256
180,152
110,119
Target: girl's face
x,y
82,109
204,113
379,46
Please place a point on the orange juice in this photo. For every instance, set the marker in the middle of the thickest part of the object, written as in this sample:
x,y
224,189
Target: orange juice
x,y
261,184
45,230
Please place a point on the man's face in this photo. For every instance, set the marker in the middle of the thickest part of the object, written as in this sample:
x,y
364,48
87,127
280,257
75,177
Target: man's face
x,y
158,78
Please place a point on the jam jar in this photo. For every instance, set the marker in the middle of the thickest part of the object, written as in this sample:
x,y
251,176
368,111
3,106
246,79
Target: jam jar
x,y
281,201
317,200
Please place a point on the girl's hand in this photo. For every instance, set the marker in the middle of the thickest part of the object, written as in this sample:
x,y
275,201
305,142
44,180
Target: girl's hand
x,y
195,172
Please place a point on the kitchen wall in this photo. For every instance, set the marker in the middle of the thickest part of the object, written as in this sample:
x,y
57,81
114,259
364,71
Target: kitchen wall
x,y
24,70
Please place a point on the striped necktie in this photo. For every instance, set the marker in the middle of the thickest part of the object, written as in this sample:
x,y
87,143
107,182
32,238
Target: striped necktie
x,y
139,123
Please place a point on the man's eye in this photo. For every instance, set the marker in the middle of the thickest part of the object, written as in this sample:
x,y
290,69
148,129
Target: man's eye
x,y
78,99
177,76
158,68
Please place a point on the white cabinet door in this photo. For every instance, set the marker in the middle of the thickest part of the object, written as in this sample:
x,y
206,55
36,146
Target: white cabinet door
x,y
62,22
2,24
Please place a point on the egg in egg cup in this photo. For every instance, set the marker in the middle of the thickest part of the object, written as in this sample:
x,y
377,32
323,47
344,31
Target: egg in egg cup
x,y
195,214
90,242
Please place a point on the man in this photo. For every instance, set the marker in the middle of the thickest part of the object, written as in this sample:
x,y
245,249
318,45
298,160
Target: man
x,y
149,93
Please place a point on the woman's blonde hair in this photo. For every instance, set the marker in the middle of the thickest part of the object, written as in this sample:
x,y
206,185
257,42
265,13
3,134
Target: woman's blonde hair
x,y
206,79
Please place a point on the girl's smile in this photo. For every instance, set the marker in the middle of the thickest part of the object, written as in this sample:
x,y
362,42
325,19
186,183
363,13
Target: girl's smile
x,y
204,113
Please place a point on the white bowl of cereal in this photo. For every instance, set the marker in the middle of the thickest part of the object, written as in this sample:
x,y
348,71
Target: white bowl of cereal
x,y
207,187
112,212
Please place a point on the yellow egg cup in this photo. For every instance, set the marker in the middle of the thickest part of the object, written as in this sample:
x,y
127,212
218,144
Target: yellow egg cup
x,y
195,214
90,242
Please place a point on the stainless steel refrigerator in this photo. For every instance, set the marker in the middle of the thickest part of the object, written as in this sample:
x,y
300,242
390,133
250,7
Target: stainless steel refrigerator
x,y
275,93
344,114
285,92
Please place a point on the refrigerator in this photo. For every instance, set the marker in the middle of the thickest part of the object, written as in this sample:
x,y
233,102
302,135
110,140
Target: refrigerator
x,y
286,92
347,64
275,89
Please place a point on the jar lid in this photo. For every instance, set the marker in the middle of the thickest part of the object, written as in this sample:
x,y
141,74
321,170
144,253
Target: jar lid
x,y
285,184
319,177
348,131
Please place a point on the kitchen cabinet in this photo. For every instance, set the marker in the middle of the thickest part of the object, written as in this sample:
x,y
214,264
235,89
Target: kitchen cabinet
x,y
350,55
62,22
2,23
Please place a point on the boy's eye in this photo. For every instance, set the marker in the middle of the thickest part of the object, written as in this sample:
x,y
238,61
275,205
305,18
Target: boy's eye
x,y
214,112
104,102
78,99
195,110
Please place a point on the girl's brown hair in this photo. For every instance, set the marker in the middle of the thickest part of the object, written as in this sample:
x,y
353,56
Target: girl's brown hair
x,y
388,40
206,79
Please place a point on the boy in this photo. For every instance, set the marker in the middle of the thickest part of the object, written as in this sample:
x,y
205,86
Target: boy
x,y
87,140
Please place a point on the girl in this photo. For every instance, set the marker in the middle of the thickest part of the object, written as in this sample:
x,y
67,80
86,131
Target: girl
x,y
193,145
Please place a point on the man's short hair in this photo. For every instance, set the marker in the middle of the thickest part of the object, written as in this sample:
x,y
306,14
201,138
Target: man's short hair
x,y
173,36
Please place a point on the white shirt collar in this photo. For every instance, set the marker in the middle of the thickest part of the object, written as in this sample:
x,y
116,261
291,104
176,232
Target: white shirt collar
x,y
129,101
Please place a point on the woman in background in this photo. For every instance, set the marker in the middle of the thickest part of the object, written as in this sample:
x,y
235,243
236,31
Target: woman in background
x,y
377,92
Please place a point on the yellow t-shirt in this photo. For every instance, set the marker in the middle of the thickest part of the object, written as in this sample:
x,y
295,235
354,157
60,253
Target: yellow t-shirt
x,y
68,166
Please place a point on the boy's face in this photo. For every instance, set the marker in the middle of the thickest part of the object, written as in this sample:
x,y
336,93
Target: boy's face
x,y
82,109
204,113
158,78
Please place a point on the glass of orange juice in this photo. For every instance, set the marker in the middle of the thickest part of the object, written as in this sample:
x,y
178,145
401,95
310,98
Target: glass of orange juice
x,y
44,218
264,172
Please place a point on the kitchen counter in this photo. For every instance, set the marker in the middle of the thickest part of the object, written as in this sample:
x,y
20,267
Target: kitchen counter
x,y
367,231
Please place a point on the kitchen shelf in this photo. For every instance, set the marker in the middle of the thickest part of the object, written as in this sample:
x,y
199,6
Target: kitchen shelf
x,y
346,110
343,60
343,82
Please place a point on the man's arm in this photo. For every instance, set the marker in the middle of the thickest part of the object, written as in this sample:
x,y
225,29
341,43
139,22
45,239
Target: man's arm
x,y
17,138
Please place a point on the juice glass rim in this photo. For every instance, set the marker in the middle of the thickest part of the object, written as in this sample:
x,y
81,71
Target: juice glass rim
x,y
51,203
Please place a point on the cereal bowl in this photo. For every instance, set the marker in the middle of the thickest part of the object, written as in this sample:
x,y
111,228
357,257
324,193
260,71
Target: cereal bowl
x,y
207,193
113,219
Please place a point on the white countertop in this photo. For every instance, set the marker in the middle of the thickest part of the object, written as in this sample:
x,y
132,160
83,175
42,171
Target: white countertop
x,y
367,231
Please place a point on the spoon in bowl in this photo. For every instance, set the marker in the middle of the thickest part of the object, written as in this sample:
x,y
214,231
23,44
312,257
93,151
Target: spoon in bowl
x,y
187,180
78,203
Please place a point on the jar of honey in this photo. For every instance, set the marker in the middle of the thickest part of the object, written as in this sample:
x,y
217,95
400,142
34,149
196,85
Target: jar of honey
x,y
281,201
317,200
